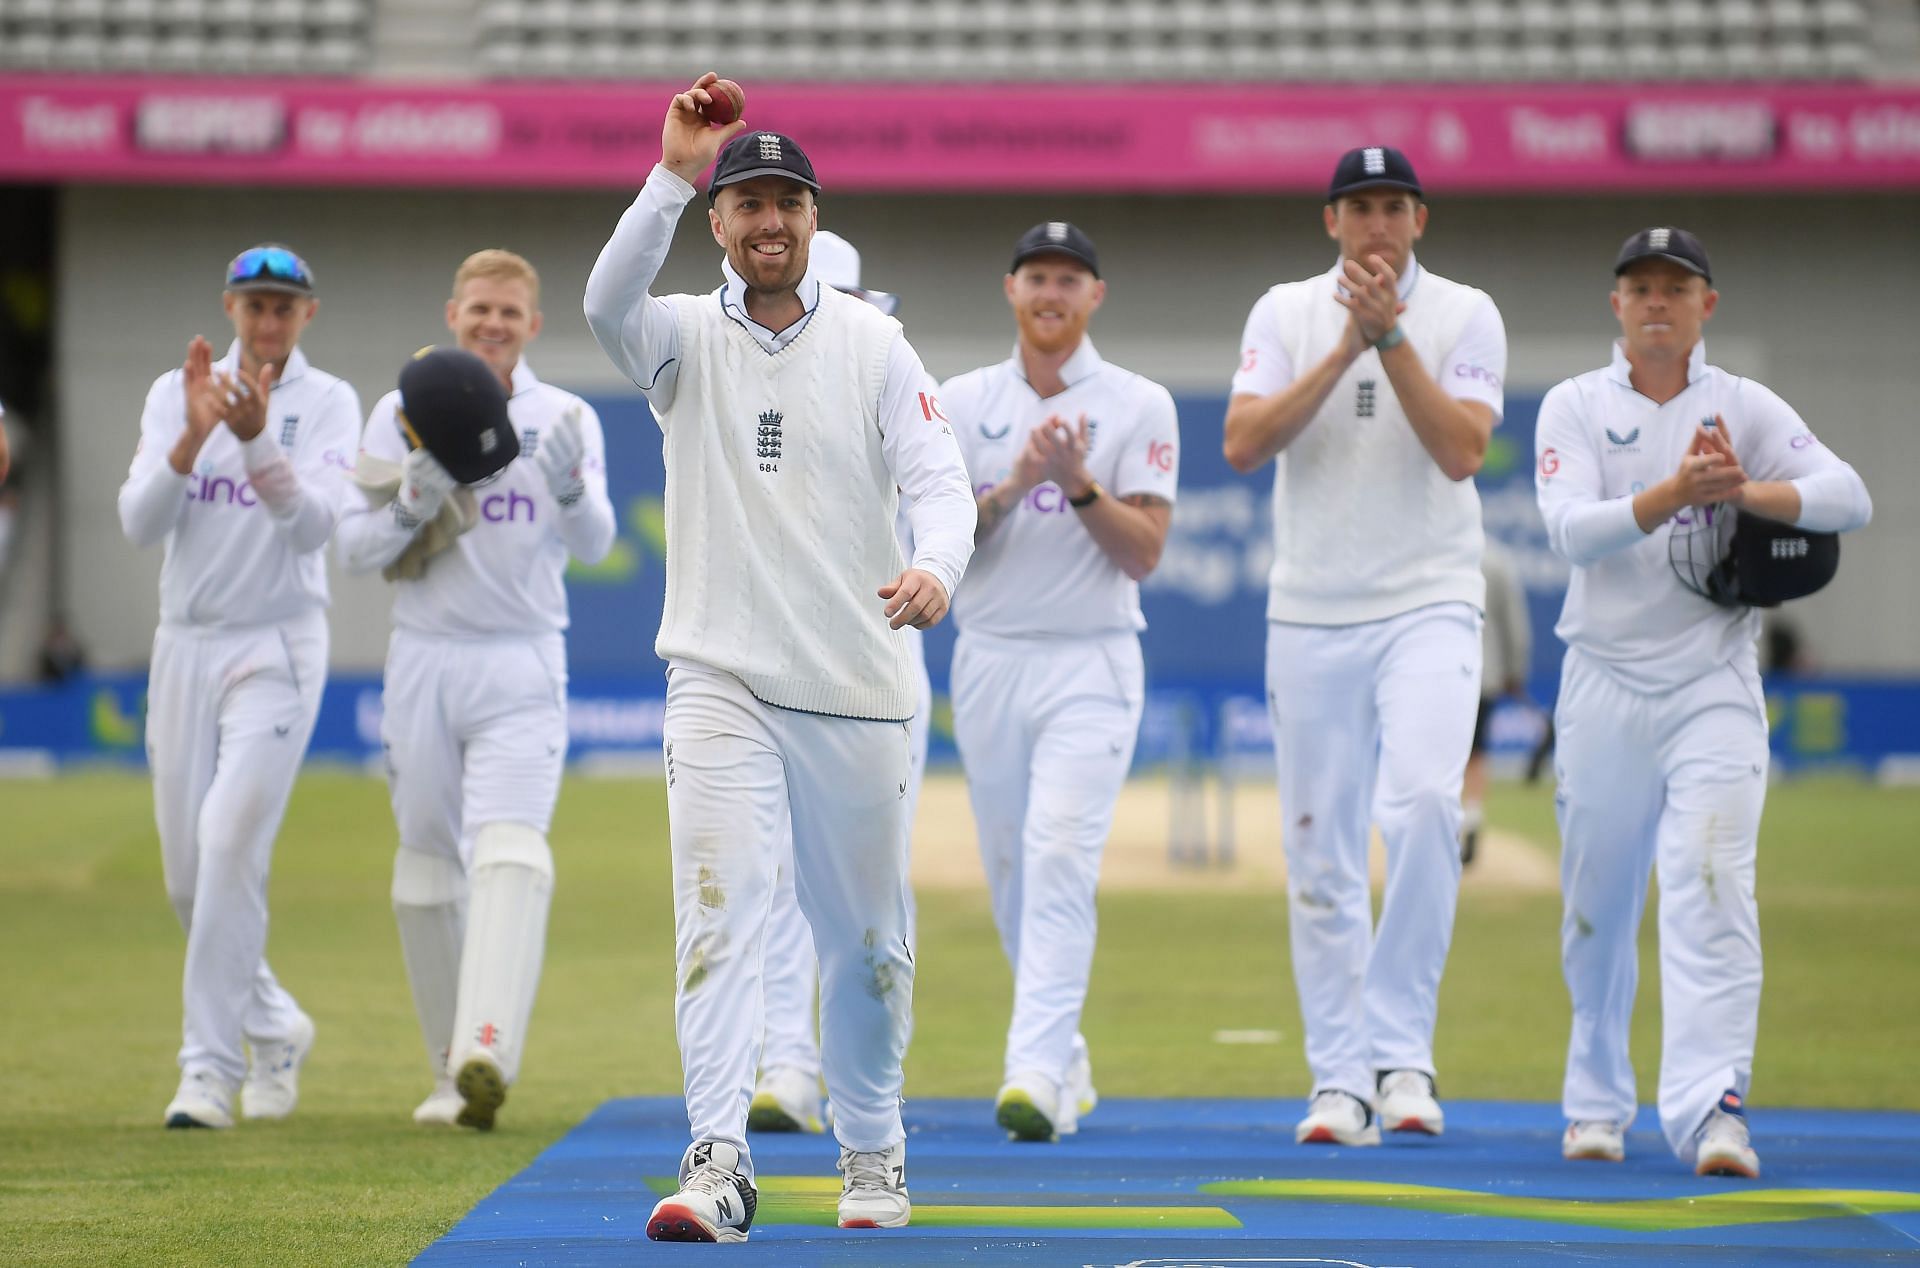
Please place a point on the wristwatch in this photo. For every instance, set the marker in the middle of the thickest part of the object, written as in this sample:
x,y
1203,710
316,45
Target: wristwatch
x,y
1088,498
1392,339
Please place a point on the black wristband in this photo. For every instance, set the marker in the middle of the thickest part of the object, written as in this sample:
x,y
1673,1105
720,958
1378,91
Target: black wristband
x,y
1088,498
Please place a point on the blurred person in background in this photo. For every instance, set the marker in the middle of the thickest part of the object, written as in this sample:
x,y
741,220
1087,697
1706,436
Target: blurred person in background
x,y
1506,649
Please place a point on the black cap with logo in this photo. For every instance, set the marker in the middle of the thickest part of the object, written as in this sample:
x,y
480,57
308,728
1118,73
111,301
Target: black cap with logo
x,y
753,154
1055,237
452,406
1664,243
1372,167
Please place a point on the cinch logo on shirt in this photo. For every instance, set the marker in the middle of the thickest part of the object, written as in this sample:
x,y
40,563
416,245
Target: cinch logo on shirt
x,y
505,508
220,490
1047,499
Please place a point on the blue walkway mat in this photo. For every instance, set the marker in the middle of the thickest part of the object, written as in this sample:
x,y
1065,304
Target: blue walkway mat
x,y
1188,1183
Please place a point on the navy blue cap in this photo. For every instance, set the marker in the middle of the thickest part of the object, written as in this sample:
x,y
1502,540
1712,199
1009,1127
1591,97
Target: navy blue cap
x,y
453,406
1055,237
1664,243
1372,167
753,154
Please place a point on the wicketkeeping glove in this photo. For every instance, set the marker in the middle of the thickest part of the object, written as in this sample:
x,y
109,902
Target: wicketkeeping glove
x,y
424,485
561,454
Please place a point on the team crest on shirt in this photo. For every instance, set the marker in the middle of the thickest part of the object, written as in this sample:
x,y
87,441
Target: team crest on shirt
x,y
1363,399
1628,443
529,441
289,427
767,440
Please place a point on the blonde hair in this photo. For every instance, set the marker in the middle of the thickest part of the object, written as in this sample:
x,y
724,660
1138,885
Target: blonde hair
x,y
497,265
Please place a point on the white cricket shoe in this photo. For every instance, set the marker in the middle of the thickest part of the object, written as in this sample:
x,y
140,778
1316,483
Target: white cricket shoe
x,y
483,1090
1725,1148
1337,1118
204,1099
1077,1095
442,1106
1028,1110
786,1100
272,1088
1594,1142
1407,1103
873,1188
715,1202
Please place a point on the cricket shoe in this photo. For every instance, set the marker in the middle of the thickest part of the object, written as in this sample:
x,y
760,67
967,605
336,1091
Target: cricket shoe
x,y
715,1202
1337,1118
1407,1103
443,1105
1594,1142
272,1088
203,1100
1077,1095
483,1090
1724,1147
1028,1110
873,1188
785,1100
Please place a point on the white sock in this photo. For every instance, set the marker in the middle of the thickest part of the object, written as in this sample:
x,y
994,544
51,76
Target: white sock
x,y
506,939
430,906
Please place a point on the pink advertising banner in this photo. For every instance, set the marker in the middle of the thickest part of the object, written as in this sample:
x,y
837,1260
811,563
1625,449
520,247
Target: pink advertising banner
x,y
1151,138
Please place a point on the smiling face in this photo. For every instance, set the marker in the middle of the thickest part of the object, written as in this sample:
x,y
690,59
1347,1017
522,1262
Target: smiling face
x,y
494,318
766,225
1383,222
1053,298
1662,308
268,324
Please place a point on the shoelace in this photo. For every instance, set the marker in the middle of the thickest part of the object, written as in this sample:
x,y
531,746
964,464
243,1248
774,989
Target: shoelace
x,y
869,1171
711,1181
1405,1081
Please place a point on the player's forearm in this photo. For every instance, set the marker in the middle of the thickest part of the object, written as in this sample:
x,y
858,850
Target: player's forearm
x,y
638,332
368,540
943,519
1131,533
1454,432
992,508
588,526
1259,428
151,503
303,516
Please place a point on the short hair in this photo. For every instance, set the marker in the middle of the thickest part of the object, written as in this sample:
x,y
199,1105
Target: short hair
x,y
497,265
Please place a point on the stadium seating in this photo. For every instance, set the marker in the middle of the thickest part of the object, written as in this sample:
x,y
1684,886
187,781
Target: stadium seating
x,y
326,37
1252,40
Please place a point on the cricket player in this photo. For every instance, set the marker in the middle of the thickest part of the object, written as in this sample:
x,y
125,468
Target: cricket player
x,y
1074,462
1662,752
1506,649
241,472
786,1097
1374,388
474,722
795,420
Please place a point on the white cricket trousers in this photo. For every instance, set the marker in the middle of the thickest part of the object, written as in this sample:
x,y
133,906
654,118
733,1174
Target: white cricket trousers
x,y
229,714
1372,724
1674,781
1046,729
791,971
733,763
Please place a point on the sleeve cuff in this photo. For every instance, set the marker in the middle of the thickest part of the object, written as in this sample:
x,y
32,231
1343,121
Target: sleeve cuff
x,y
940,572
666,182
262,451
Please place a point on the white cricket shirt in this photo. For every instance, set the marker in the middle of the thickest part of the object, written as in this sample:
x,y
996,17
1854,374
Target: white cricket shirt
x,y
1366,526
1599,442
505,575
229,560
1040,574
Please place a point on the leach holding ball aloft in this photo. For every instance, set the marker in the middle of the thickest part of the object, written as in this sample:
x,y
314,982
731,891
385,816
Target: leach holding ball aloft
x,y
795,419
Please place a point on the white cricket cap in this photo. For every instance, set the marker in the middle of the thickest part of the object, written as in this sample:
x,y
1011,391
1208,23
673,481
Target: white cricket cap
x,y
836,262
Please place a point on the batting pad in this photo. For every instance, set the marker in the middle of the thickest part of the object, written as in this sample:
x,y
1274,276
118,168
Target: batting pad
x,y
1154,1184
511,890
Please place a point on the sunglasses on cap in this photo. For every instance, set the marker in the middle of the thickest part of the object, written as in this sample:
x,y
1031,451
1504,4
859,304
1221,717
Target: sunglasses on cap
x,y
269,268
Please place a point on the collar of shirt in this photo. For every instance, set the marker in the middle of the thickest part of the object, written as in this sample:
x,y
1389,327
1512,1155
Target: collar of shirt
x,y
524,379
1622,373
1083,364
1408,280
295,367
733,299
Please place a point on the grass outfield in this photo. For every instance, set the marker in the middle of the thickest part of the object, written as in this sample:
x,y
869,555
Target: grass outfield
x,y
90,1006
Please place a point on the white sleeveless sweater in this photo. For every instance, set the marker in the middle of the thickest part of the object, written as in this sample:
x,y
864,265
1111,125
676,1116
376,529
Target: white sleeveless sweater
x,y
1365,524
780,511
